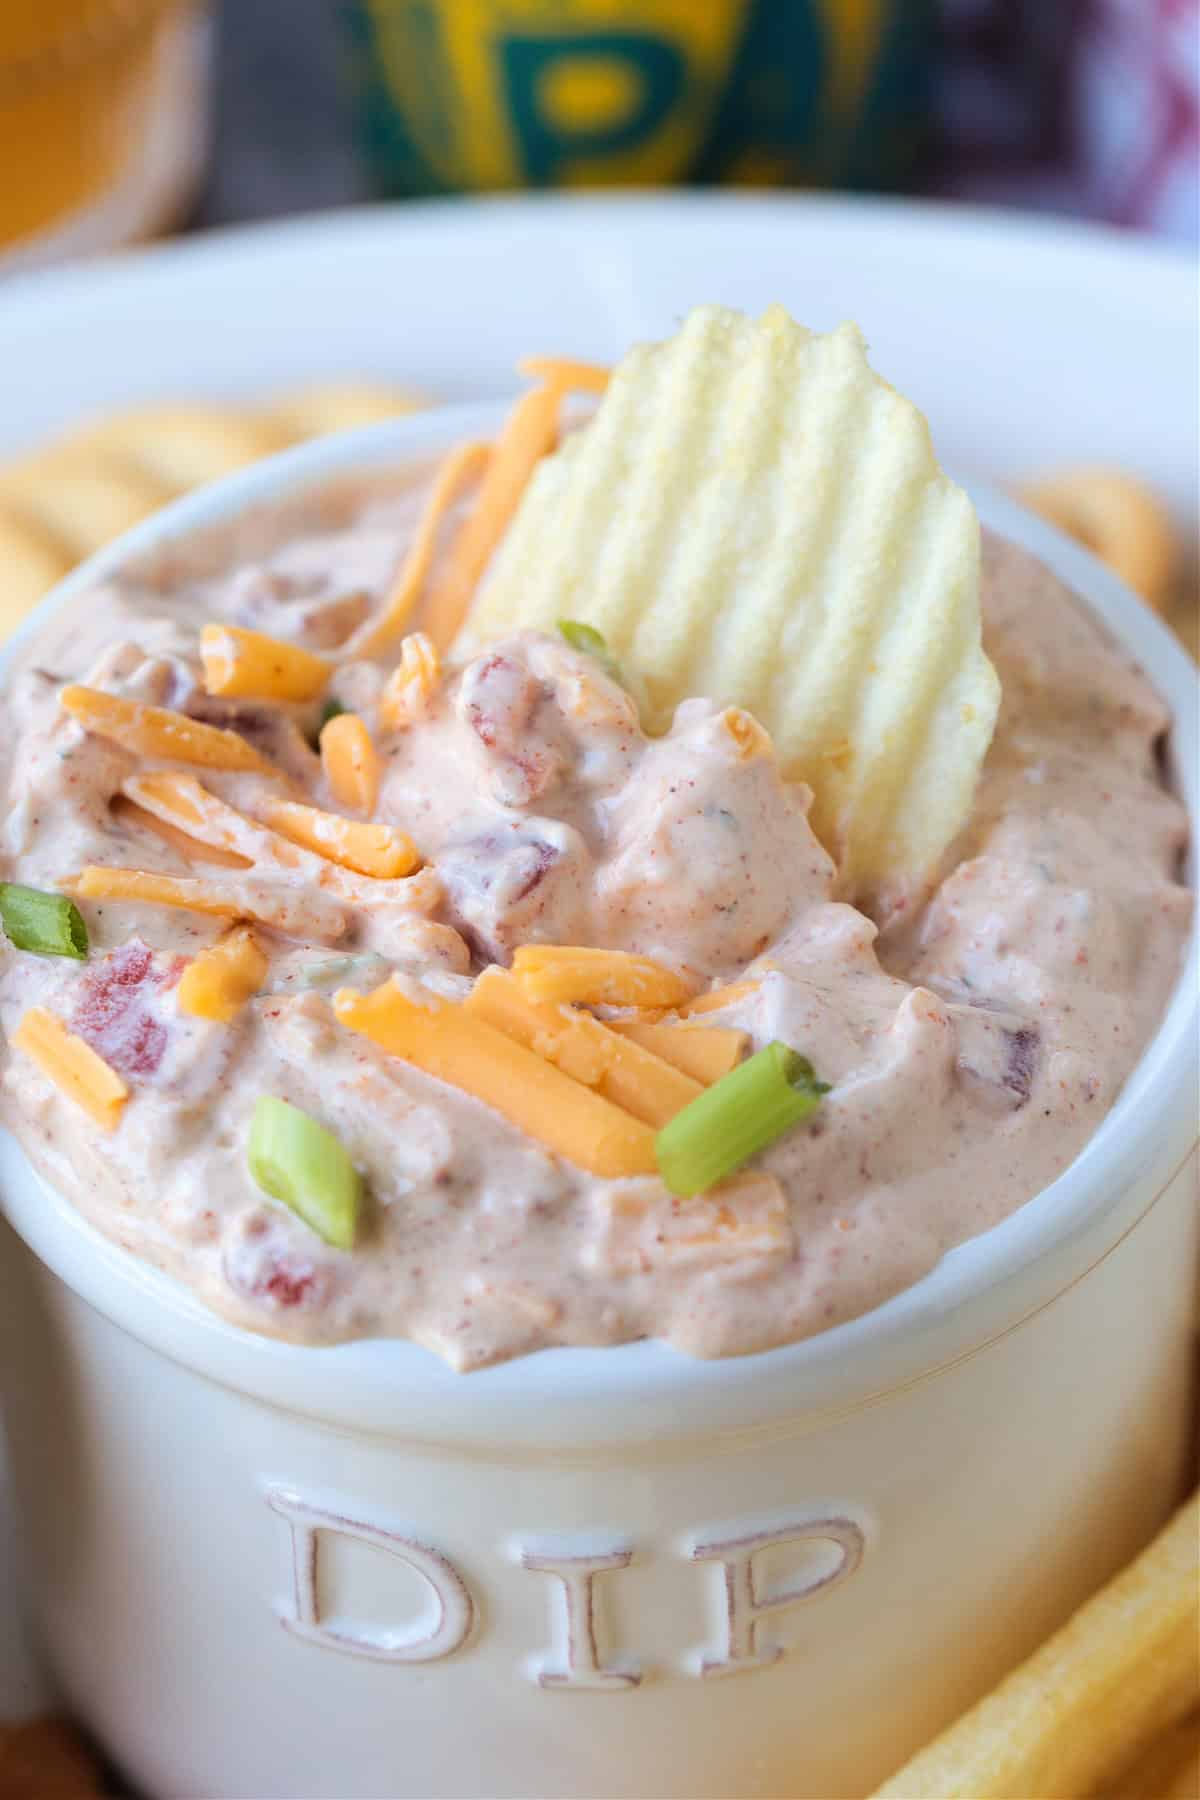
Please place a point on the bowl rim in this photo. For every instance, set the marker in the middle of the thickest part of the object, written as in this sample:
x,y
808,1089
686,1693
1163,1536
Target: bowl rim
x,y
978,1290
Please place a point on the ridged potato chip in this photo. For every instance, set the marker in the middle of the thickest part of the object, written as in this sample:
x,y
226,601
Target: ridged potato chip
x,y
753,514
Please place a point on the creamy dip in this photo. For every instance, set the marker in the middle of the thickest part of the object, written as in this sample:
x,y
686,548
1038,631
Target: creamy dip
x,y
974,1034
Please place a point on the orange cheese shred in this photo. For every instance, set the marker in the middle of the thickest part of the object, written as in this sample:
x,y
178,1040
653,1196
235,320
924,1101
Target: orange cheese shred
x,y
96,883
409,690
377,850
718,999
249,665
73,1066
298,911
461,466
217,983
529,432
351,762
130,813
579,975
154,731
567,372
623,1071
705,1052
454,1046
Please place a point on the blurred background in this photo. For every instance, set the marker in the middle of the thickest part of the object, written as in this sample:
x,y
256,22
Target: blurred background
x,y
128,117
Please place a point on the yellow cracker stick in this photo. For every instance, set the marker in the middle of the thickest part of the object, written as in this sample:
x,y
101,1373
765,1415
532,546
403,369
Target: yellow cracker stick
x,y
577,975
623,1071
351,762
1126,1667
530,430
462,466
1119,518
753,515
341,405
72,1065
154,731
566,372
705,1052
86,499
299,913
248,665
32,560
409,691
1164,1772
217,983
183,445
445,1041
377,850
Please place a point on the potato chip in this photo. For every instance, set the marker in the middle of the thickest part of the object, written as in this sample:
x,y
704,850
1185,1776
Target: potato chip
x,y
754,515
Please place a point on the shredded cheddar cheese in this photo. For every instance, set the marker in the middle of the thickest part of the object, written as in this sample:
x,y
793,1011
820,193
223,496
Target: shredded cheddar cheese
x,y
217,983
576,974
376,850
461,466
96,883
746,732
193,848
719,998
154,731
72,1065
623,1071
185,803
530,431
240,664
705,1052
454,1046
567,372
410,688
297,911
350,762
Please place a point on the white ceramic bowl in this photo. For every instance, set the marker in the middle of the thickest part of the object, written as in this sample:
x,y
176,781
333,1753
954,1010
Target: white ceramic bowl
x,y
271,1570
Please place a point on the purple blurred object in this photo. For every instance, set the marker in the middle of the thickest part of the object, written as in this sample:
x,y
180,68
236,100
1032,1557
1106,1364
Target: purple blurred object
x,y
1085,106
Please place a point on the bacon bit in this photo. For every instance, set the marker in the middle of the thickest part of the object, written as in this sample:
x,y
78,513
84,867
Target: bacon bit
x,y
117,1010
1021,1065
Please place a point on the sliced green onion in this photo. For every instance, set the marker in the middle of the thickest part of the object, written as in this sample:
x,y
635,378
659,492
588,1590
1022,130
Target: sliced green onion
x,y
591,642
367,967
47,924
736,1118
297,1161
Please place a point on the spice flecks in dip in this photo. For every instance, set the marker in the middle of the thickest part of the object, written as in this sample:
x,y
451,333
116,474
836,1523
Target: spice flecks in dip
x,y
973,1037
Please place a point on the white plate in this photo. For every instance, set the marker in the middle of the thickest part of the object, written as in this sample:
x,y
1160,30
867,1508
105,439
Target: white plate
x,y
1027,342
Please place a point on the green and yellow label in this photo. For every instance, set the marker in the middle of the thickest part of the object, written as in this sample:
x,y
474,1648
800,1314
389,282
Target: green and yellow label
x,y
468,94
